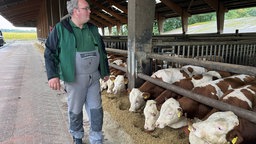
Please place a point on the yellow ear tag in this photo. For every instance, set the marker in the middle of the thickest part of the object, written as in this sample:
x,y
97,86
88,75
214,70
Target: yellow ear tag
x,y
234,140
189,128
179,114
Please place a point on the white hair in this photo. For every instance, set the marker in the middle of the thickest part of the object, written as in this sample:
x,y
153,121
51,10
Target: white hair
x,y
71,5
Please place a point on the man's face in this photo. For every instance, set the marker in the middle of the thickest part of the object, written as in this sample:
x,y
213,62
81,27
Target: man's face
x,y
83,11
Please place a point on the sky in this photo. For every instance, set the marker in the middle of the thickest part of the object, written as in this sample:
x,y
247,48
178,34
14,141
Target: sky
x,y
5,24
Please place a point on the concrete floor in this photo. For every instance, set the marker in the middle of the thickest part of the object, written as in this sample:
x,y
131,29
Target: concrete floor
x,y
32,113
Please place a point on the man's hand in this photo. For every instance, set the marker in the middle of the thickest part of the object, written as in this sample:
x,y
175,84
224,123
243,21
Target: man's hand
x,y
54,83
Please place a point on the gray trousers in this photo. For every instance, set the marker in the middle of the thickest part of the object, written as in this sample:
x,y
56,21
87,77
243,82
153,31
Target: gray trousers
x,y
85,91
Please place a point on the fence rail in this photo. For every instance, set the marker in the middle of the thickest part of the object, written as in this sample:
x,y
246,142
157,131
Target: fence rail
x,y
234,49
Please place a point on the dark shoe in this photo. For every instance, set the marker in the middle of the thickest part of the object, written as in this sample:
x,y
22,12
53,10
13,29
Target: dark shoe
x,y
77,141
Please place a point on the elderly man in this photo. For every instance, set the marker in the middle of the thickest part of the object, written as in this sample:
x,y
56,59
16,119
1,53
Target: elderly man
x,y
75,53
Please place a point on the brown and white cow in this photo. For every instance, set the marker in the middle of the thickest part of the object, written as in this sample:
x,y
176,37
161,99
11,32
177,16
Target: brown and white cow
x,y
151,114
245,132
193,70
213,129
214,89
138,96
119,84
110,83
188,84
169,75
171,110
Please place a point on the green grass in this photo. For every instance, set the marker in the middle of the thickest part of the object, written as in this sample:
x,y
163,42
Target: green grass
x,y
19,36
244,25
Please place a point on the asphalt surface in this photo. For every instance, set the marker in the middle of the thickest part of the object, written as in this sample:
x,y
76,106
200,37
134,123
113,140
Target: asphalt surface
x,y
30,113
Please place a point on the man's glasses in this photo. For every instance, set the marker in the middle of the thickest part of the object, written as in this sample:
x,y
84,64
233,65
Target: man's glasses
x,y
86,8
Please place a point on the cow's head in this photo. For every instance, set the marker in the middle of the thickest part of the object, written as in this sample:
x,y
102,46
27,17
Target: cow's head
x,y
215,128
136,99
170,113
151,114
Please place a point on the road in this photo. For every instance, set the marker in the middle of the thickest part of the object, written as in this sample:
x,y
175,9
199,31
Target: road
x,y
30,113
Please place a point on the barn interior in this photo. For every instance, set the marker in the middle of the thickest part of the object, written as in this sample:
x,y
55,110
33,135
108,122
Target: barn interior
x,y
146,53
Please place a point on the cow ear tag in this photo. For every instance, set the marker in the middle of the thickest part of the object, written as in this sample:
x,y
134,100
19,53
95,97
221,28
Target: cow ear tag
x,y
179,114
234,140
189,128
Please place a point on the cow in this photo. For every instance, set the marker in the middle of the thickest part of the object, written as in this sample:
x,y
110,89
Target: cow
x,y
119,84
136,99
194,81
116,72
215,90
191,108
110,83
243,97
213,129
188,84
170,75
103,84
146,91
244,133
118,62
171,110
193,70
151,114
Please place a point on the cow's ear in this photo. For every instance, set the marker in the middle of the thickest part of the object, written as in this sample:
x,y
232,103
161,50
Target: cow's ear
x,y
180,112
126,80
112,78
146,95
234,137
237,140
153,114
240,139
129,90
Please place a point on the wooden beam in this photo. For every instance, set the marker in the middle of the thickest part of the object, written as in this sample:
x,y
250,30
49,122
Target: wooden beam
x,y
117,16
175,7
216,4
5,3
124,9
23,16
100,20
160,23
23,11
98,24
106,17
184,21
18,9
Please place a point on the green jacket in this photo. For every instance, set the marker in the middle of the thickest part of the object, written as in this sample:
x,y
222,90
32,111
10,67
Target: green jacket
x,y
60,52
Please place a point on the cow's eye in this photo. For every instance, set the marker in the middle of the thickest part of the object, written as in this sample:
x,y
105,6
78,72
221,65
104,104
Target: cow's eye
x,y
153,114
219,128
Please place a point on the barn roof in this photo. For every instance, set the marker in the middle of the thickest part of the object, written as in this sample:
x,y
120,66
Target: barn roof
x,y
25,13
